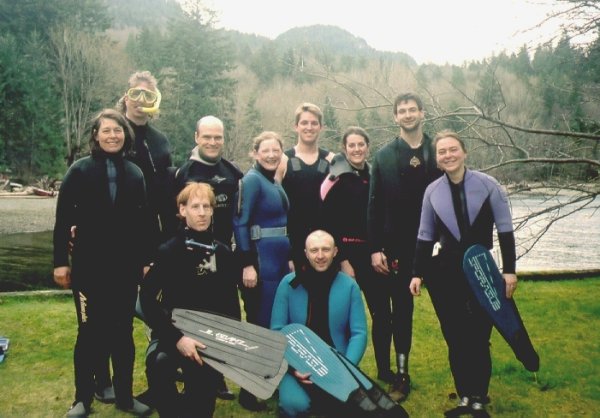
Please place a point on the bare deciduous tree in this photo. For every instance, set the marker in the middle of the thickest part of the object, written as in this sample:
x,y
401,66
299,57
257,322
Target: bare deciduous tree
x,y
499,146
81,60
579,18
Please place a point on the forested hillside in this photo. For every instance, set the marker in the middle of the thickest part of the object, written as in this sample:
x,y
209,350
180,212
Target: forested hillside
x,y
530,117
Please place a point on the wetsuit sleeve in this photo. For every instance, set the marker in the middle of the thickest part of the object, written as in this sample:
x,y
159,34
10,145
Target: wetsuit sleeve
x,y
500,207
151,228
504,226
427,227
65,216
426,237
423,252
169,218
508,250
168,159
158,318
248,195
357,344
177,185
332,215
375,210
228,271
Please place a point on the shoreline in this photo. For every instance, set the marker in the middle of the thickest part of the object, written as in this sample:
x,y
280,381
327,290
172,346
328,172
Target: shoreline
x,y
26,214
31,214
544,189
557,276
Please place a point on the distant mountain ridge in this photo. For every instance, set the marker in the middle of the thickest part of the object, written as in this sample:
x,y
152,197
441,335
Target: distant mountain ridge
x,y
142,13
318,39
309,40
327,37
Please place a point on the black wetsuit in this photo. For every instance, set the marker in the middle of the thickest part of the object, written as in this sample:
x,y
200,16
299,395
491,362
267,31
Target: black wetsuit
x,y
302,183
114,241
345,195
153,156
399,177
185,276
344,207
224,178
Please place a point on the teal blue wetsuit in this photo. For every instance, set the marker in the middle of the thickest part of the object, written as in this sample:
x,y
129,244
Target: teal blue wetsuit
x,y
347,328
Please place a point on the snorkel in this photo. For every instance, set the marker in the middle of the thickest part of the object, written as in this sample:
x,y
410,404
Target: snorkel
x,y
154,109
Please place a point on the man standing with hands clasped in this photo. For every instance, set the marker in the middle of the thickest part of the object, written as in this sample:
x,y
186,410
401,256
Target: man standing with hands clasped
x,y
401,170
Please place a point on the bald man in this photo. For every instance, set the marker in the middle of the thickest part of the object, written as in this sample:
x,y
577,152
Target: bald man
x,y
207,165
337,315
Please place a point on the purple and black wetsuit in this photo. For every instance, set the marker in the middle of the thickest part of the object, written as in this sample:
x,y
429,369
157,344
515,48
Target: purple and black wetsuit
x,y
458,216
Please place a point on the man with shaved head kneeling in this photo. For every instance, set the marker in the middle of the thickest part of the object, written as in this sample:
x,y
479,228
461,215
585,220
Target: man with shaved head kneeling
x,y
329,302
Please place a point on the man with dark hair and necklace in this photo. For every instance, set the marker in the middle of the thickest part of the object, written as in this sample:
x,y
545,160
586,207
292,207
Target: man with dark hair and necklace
x,y
401,170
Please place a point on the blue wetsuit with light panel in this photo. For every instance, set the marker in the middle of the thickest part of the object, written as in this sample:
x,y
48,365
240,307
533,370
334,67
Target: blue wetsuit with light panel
x,y
261,239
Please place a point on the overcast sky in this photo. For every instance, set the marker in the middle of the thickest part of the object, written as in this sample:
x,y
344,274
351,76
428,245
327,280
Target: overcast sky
x,y
431,31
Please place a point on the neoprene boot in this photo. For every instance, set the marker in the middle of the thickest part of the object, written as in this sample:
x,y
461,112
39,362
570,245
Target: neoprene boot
x,y
401,386
223,391
361,404
478,407
250,402
402,362
386,407
461,409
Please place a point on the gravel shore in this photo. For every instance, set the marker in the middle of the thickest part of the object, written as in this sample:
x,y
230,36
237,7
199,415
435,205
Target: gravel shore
x,y
26,214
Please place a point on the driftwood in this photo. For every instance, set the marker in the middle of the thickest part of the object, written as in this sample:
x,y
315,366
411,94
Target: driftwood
x,y
30,192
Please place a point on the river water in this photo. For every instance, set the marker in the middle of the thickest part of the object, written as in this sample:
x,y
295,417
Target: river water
x,y
571,242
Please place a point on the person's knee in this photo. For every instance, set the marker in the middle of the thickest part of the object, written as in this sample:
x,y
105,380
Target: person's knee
x,y
281,413
162,361
152,352
292,405
160,366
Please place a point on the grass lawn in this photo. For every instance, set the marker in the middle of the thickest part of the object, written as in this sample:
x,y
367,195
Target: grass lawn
x,y
563,319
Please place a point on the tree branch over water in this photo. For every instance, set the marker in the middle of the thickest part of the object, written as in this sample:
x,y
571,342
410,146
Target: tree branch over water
x,y
513,144
476,113
532,226
544,160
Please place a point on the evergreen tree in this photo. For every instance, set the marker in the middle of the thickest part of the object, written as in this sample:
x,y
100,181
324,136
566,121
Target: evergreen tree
x,y
560,70
522,64
252,119
32,128
21,18
489,94
265,65
289,63
192,61
329,117
591,63
30,136
458,77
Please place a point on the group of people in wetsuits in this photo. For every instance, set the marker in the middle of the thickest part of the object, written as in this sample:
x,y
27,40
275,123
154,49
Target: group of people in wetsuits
x,y
300,235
